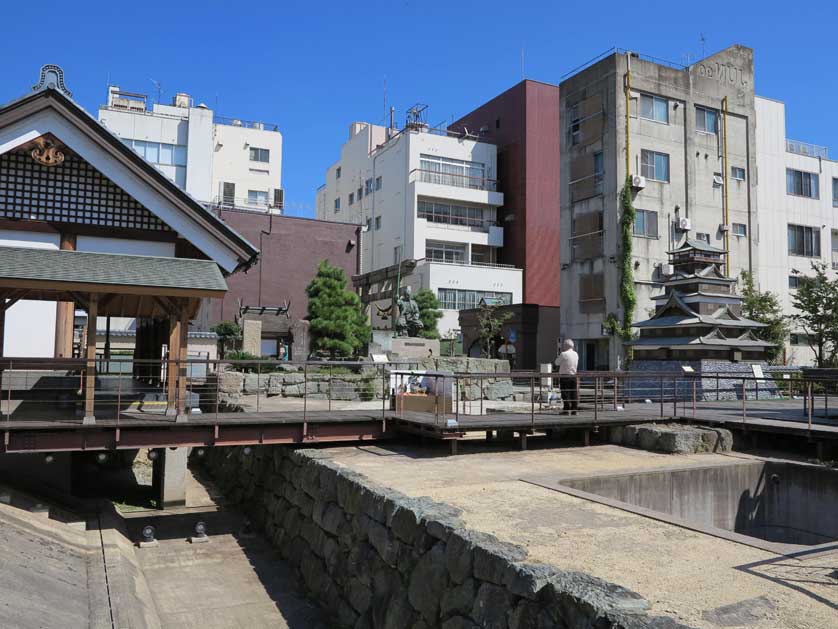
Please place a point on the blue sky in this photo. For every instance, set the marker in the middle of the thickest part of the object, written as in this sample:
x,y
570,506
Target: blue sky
x,y
314,67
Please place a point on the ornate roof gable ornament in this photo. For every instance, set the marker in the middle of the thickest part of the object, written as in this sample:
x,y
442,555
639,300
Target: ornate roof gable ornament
x,y
46,152
52,77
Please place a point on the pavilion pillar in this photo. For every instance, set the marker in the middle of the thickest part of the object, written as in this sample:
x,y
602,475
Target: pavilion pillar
x,y
90,354
65,314
182,372
172,375
2,324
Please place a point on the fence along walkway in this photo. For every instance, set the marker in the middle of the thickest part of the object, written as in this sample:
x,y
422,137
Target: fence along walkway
x,y
237,402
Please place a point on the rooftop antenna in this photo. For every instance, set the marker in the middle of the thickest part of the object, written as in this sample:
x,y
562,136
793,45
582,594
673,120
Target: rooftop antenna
x,y
703,41
385,98
416,116
523,76
157,87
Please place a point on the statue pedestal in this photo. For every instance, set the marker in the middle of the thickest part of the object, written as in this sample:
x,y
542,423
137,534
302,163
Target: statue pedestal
x,y
403,346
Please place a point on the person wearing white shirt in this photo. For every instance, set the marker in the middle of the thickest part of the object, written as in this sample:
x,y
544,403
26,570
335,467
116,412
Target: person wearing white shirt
x,y
567,363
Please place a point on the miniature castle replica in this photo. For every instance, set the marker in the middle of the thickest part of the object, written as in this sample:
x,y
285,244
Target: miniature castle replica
x,y
698,327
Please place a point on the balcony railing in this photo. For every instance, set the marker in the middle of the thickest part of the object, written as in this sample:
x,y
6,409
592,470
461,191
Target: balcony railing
x,y
457,221
247,124
458,181
241,203
488,265
809,150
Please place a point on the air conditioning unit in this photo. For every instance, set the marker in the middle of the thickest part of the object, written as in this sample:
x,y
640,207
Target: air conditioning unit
x,y
638,181
724,228
668,269
684,224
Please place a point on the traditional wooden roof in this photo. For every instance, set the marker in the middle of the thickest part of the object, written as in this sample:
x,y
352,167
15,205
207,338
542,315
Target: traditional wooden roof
x,y
50,112
715,339
696,245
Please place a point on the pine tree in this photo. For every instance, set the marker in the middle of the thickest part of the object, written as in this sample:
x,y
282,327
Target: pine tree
x,y
338,323
429,312
765,308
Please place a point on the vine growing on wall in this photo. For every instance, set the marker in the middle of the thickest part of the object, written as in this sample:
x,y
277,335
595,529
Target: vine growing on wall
x,y
628,298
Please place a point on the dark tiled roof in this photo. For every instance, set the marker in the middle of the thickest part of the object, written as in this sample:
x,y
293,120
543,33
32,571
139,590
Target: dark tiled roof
x,y
699,245
107,268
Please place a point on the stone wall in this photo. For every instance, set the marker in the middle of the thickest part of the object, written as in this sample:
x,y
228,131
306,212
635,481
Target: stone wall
x,y
495,385
715,380
375,558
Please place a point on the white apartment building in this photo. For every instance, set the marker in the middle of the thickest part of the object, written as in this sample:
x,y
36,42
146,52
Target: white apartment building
x,y
216,160
427,195
797,198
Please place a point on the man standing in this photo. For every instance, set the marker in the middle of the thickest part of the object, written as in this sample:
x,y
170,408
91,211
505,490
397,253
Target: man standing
x,y
567,363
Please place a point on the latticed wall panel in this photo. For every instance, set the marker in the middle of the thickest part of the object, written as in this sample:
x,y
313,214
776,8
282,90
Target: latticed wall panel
x,y
71,192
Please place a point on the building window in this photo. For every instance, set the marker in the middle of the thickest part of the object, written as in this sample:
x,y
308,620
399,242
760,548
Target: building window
x,y
445,252
368,186
598,172
397,254
458,299
706,120
646,223
804,241
703,237
654,166
360,194
794,282
351,198
259,155
796,338
740,229
835,193
654,108
378,183
337,204
257,197
451,213
337,172
575,125
454,172
377,223
802,184
737,173
369,224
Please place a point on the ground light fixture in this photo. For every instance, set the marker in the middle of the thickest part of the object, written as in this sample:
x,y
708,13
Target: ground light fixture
x,y
101,457
247,450
148,536
152,455
49,458
200,533
200,452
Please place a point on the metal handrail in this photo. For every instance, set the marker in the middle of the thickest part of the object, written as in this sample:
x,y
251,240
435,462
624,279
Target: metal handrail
x,y
458,181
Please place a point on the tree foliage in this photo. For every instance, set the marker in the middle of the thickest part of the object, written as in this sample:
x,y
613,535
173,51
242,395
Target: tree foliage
x,y
765,308
816,302
490,320
229,334
429,313
336,316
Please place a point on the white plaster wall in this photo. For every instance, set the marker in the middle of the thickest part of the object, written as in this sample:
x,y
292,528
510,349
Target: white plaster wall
x,y
30,325
199,153
777,209
231,161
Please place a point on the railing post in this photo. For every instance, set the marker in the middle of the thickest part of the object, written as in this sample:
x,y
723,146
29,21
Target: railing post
x,y
615,392
596,398
694,387
481,395
457,401
383,393
532,402
217,387
744,402
330,386
675,396
305,395
809,401
258,383
118,393
9,394
661,394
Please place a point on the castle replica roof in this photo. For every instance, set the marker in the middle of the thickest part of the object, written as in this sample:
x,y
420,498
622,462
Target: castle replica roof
x,y
698,315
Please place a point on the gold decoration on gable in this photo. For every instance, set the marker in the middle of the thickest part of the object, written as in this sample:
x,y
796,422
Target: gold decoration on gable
x,y
47,152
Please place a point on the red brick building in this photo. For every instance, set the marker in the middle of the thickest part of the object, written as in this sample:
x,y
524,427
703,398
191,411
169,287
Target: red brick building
x,y
291,248
524,123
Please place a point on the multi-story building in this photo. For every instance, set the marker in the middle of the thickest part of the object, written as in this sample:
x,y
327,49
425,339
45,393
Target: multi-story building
x,y
217,160
524,123
686,137
427,195
797,196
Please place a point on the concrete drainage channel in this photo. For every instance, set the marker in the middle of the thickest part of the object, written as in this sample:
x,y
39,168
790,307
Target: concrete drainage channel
x,y
781,507
375,558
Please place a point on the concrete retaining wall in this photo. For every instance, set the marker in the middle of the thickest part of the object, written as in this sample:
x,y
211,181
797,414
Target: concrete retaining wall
x,y
375,558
